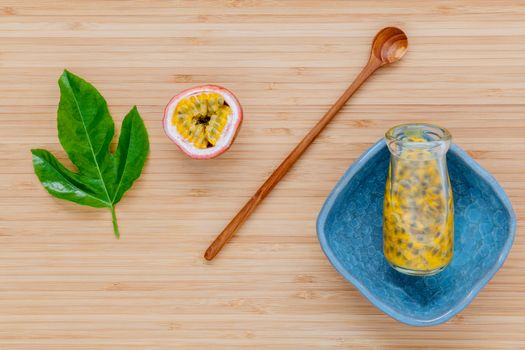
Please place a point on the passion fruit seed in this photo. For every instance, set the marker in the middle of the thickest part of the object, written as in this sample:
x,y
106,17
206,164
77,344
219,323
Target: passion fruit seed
x,y
200,119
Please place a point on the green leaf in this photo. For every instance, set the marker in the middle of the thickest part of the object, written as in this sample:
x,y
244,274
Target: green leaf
x,y
132,150
85,131
65,184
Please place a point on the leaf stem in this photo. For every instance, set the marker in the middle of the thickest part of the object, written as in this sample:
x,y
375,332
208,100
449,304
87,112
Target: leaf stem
x,y
115,224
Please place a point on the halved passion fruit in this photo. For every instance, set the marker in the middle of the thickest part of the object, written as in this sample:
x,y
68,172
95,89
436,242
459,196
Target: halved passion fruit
x,y
203,121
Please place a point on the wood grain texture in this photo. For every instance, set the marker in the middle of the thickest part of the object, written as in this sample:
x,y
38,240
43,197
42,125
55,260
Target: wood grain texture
x,y
66,283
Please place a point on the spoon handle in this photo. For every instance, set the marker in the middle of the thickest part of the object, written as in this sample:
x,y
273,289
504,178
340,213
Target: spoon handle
x,y
372,65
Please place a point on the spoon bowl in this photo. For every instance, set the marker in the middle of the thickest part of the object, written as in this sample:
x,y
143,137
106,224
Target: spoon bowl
x,y
389,45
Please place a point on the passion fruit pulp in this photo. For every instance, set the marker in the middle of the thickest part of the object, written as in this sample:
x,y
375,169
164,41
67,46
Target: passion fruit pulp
x,y
203,121
200,119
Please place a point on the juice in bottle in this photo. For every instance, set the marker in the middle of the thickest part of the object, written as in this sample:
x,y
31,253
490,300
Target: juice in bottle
x,y
418,213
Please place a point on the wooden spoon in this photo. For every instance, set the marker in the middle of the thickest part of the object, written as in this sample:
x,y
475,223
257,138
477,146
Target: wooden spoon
x,y
390,45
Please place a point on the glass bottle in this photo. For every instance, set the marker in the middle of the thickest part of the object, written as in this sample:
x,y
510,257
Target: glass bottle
x,y
418,212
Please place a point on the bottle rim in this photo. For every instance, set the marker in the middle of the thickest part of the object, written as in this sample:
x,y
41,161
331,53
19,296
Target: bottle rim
x,y
434,133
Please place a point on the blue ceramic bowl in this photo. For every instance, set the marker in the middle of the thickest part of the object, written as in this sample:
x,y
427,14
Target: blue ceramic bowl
x,y
349,228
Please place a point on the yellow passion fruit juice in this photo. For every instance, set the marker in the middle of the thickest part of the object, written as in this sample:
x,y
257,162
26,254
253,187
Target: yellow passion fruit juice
x,y
418,213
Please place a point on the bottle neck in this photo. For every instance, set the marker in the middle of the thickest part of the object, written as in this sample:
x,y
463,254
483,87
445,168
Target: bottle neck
x,y
418,142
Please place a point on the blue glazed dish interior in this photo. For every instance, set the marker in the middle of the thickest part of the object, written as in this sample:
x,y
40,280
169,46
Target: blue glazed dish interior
x,y
350,233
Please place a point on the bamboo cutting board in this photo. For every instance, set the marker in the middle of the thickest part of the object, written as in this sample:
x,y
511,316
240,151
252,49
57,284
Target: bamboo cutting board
x,y
66,283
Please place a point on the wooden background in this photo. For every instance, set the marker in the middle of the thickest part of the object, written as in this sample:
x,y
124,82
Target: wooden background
x,y
66,283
